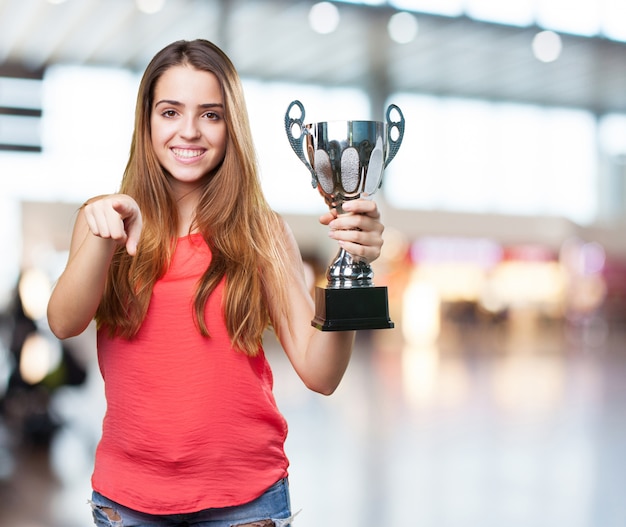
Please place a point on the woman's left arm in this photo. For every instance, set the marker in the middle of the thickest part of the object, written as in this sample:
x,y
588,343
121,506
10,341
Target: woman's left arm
x,y
320,358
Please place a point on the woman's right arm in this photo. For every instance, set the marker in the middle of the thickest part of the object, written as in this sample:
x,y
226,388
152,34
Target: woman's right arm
x,y
101,225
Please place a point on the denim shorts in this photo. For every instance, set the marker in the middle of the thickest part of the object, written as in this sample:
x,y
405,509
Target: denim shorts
x,y
271,509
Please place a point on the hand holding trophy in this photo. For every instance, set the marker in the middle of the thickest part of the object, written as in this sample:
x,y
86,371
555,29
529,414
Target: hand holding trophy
x,y
346,160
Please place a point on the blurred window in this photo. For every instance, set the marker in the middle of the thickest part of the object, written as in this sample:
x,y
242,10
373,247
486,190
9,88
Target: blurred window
x,y
578,17
475,156
436,7
513,12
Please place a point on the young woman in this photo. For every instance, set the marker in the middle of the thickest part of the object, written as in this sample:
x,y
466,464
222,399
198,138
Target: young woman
x,y
183,271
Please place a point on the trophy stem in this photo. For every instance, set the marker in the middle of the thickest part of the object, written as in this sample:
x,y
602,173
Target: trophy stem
x,y
350,301
347,272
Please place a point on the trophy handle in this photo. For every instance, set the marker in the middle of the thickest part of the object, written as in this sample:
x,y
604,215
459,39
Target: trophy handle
x,y
296,142
394,145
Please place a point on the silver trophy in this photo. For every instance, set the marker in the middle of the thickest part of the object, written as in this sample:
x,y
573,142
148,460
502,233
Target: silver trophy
x,y
346,160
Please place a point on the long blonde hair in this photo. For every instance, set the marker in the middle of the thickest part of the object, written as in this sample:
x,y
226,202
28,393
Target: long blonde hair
x,y
243,233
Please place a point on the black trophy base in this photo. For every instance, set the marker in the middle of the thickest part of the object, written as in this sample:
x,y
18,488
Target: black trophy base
x,y
350,309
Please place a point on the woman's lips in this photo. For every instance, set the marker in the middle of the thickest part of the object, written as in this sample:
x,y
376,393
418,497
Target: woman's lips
x,y
188,153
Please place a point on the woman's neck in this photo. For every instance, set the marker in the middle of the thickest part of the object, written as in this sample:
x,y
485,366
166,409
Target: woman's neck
x,y
187,201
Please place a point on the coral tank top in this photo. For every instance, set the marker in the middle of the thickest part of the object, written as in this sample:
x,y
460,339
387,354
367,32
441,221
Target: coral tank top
x,y
191,423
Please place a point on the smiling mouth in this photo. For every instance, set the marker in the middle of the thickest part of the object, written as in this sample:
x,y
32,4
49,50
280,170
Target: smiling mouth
x,y
186,153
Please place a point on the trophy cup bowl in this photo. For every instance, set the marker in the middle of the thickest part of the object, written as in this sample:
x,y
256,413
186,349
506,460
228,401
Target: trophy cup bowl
x,y
346,160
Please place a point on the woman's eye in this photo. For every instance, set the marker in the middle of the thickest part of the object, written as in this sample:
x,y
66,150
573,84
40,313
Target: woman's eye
x,y
212,116
169,113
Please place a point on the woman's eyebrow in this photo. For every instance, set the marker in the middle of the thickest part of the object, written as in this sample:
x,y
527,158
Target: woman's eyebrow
x,y
172,102
169,102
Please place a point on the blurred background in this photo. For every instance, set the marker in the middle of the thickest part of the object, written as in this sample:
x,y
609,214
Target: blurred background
x,y
498,398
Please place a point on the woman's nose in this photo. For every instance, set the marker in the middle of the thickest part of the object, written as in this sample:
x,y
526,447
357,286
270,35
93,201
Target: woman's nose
x,y
190,129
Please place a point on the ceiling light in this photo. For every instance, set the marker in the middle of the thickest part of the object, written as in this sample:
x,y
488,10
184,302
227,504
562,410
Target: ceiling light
x,y
150,6
324,17
402,27
547,46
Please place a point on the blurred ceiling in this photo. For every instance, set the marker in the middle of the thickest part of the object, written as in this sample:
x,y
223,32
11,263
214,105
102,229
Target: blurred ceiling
x,y
272,39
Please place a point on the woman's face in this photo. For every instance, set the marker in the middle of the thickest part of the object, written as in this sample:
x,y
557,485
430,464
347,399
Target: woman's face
x,y
187,122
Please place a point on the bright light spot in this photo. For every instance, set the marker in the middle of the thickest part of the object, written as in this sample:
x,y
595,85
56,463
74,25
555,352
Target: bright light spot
x,y
56,2
420,314
402,27
519,283
455,281
150,6
547,46
34,290
324,17
38,359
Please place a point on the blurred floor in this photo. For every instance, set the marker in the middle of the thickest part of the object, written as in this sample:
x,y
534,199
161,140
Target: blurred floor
x,y
518,425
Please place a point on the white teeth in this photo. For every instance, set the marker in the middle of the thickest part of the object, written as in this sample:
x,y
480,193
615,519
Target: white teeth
x,y
187,153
